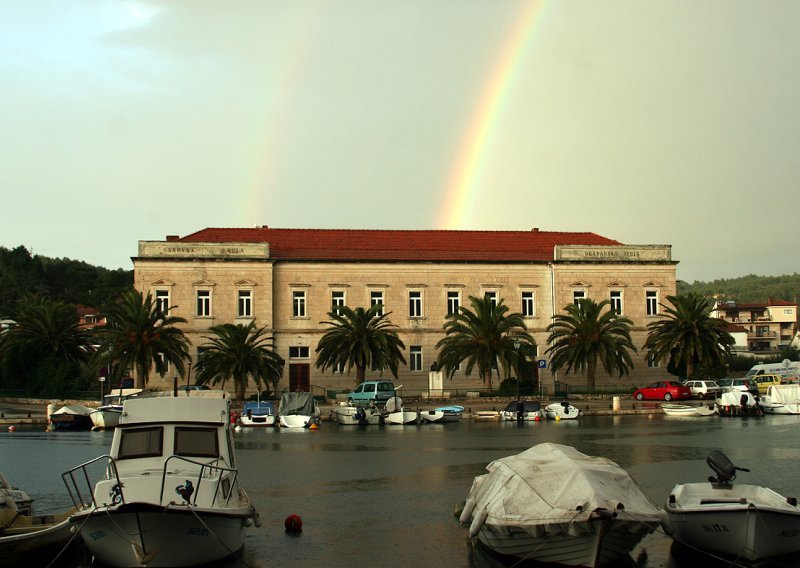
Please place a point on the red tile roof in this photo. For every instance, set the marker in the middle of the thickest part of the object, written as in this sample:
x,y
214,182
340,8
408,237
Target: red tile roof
x,y
378,245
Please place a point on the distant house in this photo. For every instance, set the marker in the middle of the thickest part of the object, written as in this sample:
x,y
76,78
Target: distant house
x,y
90,317
770,326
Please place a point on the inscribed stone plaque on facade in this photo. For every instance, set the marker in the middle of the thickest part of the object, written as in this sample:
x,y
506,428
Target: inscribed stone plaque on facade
x,y
614,253
160,249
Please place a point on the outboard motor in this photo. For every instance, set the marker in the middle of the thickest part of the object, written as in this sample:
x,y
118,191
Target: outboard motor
x,y
520,411
723,467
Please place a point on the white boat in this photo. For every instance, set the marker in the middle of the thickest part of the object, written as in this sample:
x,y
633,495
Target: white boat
x,y
553,504
298,410
738,403
782,399
561,411
168,492
106,416
486,415
71,418
32,540
353,415
690,410
13,498
257,414
523,410
442,414
733,520
396,414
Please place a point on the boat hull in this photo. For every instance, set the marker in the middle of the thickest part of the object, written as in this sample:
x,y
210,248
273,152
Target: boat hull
x,y
350,416
141,534
257,421
688,410
742,521
401,417
105,418
33,539
558,411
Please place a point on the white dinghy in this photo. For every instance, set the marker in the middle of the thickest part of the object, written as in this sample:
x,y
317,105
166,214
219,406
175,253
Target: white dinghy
x,y
168,492
353,415
397,414
561,411
551,503
733,520
689,410
782,399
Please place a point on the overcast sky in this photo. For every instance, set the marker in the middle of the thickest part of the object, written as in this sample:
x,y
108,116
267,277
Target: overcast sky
x,y
647,122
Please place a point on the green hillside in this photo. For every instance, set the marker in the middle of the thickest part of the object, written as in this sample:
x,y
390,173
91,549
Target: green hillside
x,y
750,288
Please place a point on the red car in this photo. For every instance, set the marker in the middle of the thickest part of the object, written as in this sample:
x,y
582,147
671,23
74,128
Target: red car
x,y
663,390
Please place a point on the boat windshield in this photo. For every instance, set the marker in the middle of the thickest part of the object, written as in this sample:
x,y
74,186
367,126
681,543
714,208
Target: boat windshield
x,y
140,443
196,442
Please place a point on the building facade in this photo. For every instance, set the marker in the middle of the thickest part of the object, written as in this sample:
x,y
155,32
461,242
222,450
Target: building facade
x,y
288,280
769,326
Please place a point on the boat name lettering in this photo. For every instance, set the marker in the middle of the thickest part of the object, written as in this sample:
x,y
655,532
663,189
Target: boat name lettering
x,y
789,533
716,528
97,535
198,531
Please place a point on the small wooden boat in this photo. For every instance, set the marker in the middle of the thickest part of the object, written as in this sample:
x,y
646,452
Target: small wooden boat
x,y
553,504
736,521
32,539
561,411
689,410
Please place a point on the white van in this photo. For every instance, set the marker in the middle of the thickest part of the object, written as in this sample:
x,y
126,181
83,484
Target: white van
x,y
788,371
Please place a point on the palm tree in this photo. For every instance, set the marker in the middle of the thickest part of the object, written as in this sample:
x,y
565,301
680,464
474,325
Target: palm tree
x,y
358,338
687,337
239,352
587,334
484,336
52,327
140,336
45,350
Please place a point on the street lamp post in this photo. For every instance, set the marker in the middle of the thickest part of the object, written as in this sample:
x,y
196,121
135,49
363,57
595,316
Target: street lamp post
x,y
520,406
175,384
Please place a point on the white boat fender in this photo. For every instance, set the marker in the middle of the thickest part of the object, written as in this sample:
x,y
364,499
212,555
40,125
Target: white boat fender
x,y
477,522
466,512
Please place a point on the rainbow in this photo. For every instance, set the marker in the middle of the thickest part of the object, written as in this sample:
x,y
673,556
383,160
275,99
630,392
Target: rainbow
x,y
459,198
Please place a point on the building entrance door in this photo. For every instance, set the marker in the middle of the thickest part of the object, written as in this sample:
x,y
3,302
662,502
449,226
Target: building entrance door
x,y
299,377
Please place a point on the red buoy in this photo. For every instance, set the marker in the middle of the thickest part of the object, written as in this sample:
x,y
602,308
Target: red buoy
x,y
293,524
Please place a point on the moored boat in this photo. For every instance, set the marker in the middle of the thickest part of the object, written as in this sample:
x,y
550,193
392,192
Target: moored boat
x,y
782,399
523,410
486,415
690,410
71,417
257,414
736,521
106,416
27,539
397,414
168,492
298,410
353,415
553,504
738,403
442,414
561,411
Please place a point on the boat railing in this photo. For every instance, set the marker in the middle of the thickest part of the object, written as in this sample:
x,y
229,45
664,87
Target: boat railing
x,y
225,484
78,482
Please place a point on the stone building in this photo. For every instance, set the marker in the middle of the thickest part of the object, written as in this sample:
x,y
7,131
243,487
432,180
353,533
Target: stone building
x,y
287,280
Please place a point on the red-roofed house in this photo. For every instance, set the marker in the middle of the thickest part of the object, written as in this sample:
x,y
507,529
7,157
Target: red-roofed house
x,y
287,280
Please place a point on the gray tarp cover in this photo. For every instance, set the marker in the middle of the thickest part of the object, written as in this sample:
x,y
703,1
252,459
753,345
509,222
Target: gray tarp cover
x,y
297,403
542,489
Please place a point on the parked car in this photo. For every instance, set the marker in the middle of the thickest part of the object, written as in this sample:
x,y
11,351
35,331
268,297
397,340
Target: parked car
x,y
704,389
379,391
763,382
742,384
663,390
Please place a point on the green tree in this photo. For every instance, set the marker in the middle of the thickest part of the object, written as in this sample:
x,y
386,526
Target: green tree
x,y
239,353
484,337
360,338
45,348
587,334
138,336
688,338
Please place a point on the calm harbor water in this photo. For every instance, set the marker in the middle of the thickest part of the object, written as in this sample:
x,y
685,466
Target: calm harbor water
x,y
386,495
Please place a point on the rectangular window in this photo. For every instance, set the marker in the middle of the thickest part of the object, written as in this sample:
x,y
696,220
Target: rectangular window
x,y
298,304
196,442
244,304
578,295
527,304
615,297
140,443
651,299
162,301
651,360
453,303
376,299
337,300
298,352
203,303
492,297
415,358
415,304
